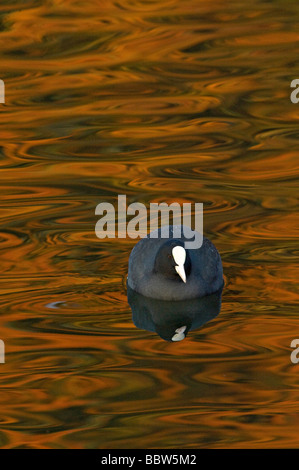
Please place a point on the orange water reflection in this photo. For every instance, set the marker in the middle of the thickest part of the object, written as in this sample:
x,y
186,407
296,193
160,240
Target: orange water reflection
x,y
161,101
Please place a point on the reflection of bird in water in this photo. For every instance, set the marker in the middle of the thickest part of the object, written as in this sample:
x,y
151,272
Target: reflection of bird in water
x,y
173,319
163,268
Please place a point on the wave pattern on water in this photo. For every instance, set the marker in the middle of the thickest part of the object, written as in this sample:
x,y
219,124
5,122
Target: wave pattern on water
x,y
161,101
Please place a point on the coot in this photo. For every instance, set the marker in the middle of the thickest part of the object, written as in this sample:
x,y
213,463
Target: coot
x,y
163,268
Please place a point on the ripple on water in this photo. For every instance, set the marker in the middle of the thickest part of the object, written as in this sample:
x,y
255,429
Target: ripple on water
x,y
163,102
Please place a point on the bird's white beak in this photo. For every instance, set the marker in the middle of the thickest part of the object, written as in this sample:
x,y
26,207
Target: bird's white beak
x,y
179,256
181,272
179,334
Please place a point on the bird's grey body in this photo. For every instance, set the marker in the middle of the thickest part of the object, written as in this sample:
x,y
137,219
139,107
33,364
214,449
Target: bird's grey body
x,y
205,277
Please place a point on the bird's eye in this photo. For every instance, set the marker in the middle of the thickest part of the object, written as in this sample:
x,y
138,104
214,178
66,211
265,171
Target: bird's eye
x,y
169,256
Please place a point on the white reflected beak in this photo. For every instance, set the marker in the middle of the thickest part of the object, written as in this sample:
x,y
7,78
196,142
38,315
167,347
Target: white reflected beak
x,y
181,272
179,334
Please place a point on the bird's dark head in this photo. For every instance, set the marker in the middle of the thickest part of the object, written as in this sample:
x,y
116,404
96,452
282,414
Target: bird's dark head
x,y
173,261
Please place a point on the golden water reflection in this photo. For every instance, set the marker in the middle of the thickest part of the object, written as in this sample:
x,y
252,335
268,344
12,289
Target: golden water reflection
x,y
161,101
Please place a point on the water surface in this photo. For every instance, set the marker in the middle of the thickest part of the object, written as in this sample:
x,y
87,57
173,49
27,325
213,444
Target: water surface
x,y
163,101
